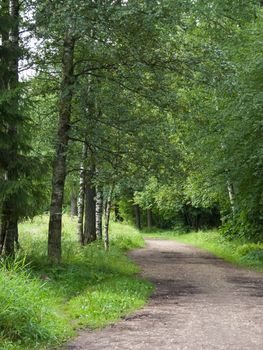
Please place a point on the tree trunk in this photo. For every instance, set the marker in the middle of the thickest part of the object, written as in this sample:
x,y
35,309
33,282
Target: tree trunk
x,y
90,214
11,236
107,219
59,167
2,233
231,194
149,218
73,205
118,217
90,208
17,244
99,211
9,229
137,214
81,196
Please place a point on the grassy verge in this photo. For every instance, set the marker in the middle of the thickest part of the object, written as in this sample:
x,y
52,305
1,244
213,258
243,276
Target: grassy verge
x,y
41,305
237,251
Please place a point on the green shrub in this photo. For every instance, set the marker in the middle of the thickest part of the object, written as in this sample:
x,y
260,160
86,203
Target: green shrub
x,y
251,251
242,226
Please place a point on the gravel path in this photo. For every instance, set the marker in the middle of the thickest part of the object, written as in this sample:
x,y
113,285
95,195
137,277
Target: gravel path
x,y
200,302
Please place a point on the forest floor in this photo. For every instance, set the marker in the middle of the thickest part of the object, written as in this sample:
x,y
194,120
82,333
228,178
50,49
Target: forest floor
x,y
200,302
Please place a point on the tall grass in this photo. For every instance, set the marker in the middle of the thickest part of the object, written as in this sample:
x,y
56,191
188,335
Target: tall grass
x,y
29,315
41,305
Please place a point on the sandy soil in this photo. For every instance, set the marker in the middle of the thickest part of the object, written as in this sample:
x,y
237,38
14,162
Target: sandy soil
x,y
200,302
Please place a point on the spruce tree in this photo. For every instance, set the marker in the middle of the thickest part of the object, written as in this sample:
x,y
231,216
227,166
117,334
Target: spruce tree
x,y
10,120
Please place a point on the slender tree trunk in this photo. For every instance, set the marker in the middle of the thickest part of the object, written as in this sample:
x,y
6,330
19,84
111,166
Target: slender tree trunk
x,y
90,214
73,205
137,213
186,216
107,219
118,217
90,208
2,232
196,222
17,244
59,167
99,211
81,196
231,195
2,238
149,218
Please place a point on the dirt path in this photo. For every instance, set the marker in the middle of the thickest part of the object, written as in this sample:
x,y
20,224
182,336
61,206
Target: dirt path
x,y
200,302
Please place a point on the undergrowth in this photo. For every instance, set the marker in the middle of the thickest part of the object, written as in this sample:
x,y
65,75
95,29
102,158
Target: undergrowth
x,y
42,305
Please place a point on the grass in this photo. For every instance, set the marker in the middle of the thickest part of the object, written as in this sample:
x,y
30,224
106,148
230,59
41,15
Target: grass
x,y
42,305
239,252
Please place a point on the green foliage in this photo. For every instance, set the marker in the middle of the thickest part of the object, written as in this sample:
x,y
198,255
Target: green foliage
x,y
126,209
20,169
90,288
218,135
241,226
161,111
172,206
169,104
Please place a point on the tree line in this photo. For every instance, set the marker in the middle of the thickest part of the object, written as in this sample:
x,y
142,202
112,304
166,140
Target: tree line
x,y
150,109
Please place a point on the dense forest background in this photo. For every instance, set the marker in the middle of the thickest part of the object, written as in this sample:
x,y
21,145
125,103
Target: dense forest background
x,y
148,110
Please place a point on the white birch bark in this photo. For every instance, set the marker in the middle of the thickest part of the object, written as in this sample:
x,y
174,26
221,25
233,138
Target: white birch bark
x,y
99,212
107,218
81,195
